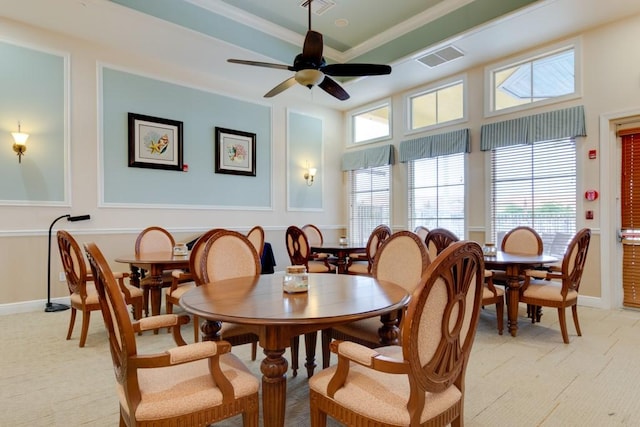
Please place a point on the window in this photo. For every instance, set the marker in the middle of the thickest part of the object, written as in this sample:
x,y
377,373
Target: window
x,y
547,77
443,104
436,193
535,185
371,124
369,192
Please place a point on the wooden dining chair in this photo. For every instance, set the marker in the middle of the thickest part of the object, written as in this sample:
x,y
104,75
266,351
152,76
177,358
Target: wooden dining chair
x,y
522,240
84,297
195,384
154,239
439,239
376,239
558,287
315,237
402,259
299,252
184,280
228,254
421,231
256,237
422,381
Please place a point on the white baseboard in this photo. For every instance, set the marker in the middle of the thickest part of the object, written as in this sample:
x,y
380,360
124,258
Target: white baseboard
x,y
29,306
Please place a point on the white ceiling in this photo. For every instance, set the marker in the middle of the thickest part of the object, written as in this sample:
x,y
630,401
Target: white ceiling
x,y
372,24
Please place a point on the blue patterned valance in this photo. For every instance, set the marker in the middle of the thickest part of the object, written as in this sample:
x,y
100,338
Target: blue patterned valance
x,y
368,158
435,145
565,123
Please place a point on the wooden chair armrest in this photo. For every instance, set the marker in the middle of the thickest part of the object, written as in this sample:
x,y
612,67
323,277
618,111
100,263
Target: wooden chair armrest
x,y
173,321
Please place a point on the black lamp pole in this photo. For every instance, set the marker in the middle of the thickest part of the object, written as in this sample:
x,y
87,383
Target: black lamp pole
x,y
50,307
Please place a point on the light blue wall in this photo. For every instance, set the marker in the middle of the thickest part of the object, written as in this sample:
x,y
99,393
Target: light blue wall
x,y
304,144
33,91
200,112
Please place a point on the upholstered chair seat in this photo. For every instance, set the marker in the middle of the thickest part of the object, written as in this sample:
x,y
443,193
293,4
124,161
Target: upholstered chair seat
x,y
421,382
402,259
363,265
559,287
188,385
299,251
184,388
381,397
82,291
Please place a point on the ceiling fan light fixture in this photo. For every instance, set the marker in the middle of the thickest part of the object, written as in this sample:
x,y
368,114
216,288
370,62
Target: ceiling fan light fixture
x,y
309,77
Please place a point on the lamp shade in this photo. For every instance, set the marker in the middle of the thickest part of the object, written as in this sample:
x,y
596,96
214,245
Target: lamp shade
x,y
309,77
20,138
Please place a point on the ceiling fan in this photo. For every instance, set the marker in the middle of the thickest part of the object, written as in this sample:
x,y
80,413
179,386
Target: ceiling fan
x,y
311,69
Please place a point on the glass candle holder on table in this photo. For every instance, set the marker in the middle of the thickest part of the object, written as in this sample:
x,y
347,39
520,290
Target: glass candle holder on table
x,y
296,279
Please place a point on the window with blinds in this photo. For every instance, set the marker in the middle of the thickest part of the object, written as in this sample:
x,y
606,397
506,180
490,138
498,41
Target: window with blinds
x,y
630,216
369,201
436,193
535,185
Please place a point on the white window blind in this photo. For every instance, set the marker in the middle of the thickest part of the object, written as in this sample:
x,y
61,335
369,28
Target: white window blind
x,y
436,193
369,200
535,185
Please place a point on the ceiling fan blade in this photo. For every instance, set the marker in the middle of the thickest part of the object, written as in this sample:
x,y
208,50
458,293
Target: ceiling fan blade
x,y
333,88
261,64
281,87
312,48
356,70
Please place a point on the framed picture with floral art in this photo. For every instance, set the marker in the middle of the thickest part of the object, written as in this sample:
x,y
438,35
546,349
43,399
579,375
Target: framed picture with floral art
x,y
154,142
235,152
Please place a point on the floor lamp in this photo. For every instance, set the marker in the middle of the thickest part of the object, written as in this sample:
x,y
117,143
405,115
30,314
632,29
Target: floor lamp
x,y
50,307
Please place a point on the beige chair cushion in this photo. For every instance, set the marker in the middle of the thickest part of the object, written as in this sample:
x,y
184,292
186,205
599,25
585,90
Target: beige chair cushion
x,y
318,267
92,295
547,290
186,388
486,293
382,397
180,290
135,292
359,268
365,329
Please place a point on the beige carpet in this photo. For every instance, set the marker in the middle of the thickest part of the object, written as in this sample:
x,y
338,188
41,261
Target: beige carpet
x,y
531,380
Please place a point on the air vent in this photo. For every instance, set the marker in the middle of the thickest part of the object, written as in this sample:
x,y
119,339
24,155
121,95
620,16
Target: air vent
x,y
318,6
441,56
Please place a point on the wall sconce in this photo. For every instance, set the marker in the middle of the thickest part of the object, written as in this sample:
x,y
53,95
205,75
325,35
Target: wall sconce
x,y
20,143
309,175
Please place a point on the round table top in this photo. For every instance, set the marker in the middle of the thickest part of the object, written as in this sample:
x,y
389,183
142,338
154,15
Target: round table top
x,y
153,257
331,298
504,258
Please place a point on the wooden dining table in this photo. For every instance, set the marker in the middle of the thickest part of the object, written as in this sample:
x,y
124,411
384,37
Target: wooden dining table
x,y
155,263
331,299
341,251
514,266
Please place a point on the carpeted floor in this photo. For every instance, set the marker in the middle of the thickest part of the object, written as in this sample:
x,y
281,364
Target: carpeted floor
x,y
531,380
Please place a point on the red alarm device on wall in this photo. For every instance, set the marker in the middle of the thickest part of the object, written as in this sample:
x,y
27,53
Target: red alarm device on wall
x,y
591,195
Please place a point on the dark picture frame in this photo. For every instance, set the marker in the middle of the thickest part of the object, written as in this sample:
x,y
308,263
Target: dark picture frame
x,y
235,152
155,143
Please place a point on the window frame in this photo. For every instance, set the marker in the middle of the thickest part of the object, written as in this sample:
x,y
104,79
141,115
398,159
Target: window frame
x,y
425,90
350,205
411,200
351,142
527,58
492,234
